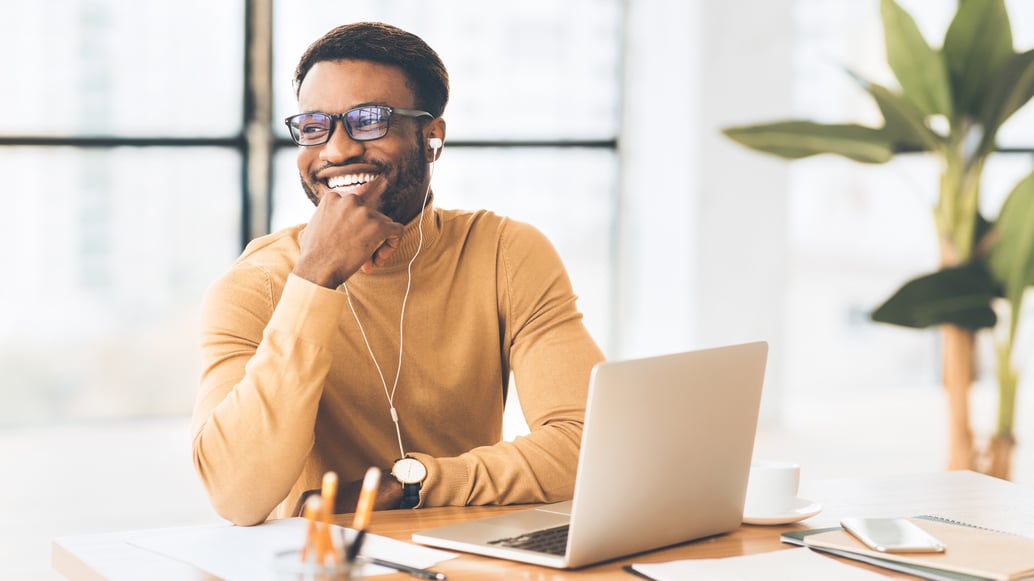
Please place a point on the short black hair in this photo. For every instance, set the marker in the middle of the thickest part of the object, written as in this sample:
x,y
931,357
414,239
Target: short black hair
x,y
385,44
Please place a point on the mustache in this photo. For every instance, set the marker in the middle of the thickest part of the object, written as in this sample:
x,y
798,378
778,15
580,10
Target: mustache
x,y
379,165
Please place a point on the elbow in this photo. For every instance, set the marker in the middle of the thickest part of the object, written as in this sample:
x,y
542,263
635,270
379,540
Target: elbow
x,y
238,514
230,503
230,499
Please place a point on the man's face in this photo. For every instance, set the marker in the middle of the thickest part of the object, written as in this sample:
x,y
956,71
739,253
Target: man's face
x,y
390,173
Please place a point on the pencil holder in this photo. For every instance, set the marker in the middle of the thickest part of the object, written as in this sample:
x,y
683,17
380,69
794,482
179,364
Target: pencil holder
x,y
289,566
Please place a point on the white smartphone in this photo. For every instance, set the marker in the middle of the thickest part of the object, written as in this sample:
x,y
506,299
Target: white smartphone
x,y
892,535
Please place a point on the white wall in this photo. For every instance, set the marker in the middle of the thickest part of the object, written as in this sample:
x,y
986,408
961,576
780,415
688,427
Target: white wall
x,y
702,222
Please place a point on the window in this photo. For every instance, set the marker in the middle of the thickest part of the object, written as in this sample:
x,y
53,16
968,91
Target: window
x,y
533,118
121,172
126,164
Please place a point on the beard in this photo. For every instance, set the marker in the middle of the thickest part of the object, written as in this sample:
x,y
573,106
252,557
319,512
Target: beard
x,y
402,201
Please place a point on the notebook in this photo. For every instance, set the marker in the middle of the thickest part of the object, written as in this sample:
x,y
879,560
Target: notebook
x,y
796,537
972,551
664,459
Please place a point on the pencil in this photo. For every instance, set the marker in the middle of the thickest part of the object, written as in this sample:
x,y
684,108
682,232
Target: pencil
x,y
363,510
367,496
328,492
325,545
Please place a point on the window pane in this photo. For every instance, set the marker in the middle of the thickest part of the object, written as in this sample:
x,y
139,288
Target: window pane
x,y
568,193
537,69
111,253
118,68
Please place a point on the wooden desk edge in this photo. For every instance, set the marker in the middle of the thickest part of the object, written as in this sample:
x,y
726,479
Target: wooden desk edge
x,y
92,556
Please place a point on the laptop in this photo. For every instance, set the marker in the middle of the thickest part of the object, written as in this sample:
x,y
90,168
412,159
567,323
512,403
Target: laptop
x,y
665,455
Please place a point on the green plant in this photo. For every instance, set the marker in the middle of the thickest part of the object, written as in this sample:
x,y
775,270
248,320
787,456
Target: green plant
x,y
971,85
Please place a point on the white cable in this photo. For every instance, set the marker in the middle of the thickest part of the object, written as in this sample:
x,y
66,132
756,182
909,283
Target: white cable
x,y
402,318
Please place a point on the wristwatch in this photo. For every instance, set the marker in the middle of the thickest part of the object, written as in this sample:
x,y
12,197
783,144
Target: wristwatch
x,y
411,473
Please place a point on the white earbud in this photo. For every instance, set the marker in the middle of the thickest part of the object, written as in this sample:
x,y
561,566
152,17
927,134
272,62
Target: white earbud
x,y
435,143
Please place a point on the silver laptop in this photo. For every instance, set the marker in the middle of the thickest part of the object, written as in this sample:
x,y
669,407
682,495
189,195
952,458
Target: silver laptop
x,y
665,456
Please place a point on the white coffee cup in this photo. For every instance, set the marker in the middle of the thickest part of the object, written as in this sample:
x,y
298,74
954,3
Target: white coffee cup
x,y
772,487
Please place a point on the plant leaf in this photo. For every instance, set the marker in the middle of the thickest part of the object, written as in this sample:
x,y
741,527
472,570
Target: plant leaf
x,y
903,121
799,139
919,68
1012,257
978,43
958,296
1011,89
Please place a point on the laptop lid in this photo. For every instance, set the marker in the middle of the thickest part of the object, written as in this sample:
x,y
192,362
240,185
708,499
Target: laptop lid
x,y
664,459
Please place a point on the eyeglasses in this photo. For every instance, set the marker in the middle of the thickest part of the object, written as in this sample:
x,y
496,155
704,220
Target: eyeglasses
x,y
362,123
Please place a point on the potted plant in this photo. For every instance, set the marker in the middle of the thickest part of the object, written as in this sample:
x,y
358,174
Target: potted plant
x,y
951,103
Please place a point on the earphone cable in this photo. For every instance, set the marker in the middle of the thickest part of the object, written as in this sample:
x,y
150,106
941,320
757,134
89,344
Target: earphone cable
x,y
402,318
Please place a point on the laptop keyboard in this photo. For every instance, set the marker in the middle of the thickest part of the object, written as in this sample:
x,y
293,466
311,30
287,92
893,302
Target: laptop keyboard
x,y
552,541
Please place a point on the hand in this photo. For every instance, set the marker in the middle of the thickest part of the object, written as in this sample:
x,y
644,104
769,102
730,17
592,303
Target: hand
x,y
342,237
389,495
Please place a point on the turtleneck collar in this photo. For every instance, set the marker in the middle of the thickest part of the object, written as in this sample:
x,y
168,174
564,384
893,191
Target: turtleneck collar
x,y
411,238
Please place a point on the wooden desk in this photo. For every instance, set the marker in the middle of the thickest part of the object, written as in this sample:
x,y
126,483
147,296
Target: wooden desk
x,y
965,496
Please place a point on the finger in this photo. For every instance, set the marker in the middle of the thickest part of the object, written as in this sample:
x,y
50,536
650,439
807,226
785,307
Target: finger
x,y
381,256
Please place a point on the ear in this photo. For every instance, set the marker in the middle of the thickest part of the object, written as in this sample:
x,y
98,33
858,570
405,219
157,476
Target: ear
x,y
435,130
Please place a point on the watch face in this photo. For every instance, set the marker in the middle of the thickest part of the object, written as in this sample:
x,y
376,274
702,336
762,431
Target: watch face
x,y
409,471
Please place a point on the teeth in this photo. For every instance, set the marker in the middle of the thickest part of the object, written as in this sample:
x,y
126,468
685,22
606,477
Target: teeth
x,y
349,180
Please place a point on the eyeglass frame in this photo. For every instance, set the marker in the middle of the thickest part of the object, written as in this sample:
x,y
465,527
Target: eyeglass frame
x,y
335,117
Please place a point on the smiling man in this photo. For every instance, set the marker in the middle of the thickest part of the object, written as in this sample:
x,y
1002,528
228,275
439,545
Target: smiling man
x,y
384,332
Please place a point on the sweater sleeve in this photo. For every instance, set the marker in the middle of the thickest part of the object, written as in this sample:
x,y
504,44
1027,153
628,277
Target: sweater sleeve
x,y
551,355
263,369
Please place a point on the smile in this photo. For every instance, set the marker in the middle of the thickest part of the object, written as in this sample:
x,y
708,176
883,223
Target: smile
x,y
350,181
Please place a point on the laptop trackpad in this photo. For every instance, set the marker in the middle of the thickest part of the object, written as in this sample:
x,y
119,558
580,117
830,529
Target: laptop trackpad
x,y
506,525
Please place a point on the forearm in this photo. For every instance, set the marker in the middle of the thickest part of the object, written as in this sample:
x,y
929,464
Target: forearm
x,y
255,415
250,448
539,467
388,497
552,376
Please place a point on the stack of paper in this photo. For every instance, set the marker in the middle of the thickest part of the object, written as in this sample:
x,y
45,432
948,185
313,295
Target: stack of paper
x,y
246,553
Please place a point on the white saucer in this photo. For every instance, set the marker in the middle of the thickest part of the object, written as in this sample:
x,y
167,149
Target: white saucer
x,y
803,508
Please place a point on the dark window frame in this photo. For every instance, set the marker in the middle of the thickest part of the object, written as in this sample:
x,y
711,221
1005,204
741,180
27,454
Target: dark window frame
x,y
257,141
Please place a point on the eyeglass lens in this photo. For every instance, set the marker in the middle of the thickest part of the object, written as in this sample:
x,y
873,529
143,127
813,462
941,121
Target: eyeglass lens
x,y
362,124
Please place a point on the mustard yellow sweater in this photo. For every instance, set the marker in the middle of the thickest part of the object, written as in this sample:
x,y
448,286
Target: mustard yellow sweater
x,y
289,390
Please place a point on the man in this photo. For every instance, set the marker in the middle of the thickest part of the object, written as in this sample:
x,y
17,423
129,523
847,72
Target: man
x,y
384,332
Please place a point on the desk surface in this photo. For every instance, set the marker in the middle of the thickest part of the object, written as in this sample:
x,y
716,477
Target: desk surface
x,y
963,496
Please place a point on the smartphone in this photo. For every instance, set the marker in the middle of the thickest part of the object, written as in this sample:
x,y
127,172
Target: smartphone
x,y
892,535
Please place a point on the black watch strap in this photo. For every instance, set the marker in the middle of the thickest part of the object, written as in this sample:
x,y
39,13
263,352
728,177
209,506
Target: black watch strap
x,y
410,495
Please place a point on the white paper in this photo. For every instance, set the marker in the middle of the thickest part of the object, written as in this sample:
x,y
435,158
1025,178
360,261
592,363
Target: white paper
x,y
246,553
797,564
